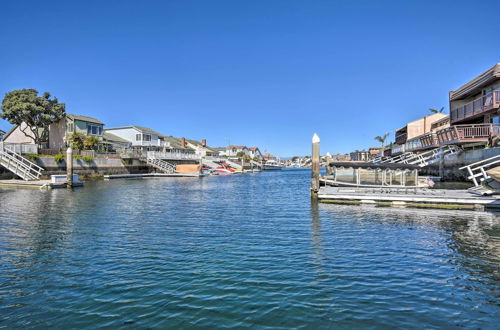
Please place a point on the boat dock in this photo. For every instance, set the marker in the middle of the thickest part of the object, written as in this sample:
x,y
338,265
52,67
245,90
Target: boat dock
x,y
417,197
35,184
389,185
151,175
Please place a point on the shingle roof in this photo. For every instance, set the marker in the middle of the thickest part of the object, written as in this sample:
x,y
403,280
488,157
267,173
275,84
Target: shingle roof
x,y
480,81
84,118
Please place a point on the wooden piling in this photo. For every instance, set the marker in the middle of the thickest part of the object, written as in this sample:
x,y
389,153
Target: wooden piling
x,y
69,167
315,166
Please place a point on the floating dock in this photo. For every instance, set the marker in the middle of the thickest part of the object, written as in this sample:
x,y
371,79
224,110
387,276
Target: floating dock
x,y
36,184
417,197
152,175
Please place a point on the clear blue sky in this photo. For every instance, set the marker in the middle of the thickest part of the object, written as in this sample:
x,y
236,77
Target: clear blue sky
x,y
264,73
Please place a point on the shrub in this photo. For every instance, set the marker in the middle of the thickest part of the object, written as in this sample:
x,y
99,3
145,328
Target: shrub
x,y
76,141
91,142
88,159
31,157
59,158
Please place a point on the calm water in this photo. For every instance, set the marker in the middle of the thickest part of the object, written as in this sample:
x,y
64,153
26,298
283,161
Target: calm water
x,y
236,251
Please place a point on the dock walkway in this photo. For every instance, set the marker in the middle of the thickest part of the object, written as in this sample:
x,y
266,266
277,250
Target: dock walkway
x,y
438,198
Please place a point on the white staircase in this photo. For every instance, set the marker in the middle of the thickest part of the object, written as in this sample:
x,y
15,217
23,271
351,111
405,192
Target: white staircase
x,y
162,165
431,156
233,164
397,159
477,170
19,165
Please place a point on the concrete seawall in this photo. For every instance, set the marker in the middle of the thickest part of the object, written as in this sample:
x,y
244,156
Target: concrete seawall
x,y
451,171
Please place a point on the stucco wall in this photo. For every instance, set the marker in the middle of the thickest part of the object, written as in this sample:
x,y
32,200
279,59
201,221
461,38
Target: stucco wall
x,y
57,132
17,136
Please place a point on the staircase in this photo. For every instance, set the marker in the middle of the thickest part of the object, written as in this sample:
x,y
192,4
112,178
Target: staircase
x,y
397,159
233,164
161,165
19,165
431,156
477,170
210,163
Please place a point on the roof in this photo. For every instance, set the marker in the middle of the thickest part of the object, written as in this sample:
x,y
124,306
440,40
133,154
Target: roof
x,y
444,119
139,128
175,142
236,147
113,138
13,128
392,166
473,86
199,144
84,118
253,148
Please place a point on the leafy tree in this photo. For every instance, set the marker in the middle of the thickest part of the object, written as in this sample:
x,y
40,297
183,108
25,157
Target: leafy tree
x,y
240,154
382,139
91,142
432,110
37,112
76,141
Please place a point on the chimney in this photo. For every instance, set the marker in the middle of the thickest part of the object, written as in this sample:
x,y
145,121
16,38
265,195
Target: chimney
x,y
183,142
204,142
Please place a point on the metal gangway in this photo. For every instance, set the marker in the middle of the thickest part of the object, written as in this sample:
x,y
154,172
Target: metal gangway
x,y
423,159
477,171
19,165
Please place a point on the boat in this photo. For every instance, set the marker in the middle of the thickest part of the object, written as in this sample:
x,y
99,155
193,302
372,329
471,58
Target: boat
x,y
272,165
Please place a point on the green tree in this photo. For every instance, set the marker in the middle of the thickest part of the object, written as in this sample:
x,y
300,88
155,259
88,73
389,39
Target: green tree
x,y
76,141
37,112
240,154
432,110
91,142
382,139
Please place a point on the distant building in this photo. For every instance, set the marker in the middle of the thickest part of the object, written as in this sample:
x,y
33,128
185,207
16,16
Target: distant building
x,y
417,128
201,148
232,151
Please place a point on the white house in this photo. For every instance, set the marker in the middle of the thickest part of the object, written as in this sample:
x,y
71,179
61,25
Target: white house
x,y
232,151
201,148
142,138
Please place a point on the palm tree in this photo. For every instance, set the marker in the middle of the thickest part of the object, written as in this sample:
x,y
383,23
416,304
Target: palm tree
x,y
382,139
436,111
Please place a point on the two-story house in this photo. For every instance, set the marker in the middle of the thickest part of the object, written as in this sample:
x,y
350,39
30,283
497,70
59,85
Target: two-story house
x,y
57,135
232,151
60,132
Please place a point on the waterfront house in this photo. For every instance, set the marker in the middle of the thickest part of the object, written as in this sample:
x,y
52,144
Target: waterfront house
x,y
417,128
232,151
179,145
474,110
60,132
140,138
254,153
113,142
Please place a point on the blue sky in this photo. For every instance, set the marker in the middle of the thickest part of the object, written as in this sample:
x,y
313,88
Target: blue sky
x,y
264,73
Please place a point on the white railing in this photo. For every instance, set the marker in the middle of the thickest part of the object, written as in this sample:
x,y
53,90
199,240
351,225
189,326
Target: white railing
x,y
19,165
172,155
477,170
21,148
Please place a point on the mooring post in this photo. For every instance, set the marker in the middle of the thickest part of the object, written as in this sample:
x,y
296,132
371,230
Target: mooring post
x,y
69,167
315,166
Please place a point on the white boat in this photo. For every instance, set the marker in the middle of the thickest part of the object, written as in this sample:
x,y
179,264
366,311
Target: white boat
x,y
272,165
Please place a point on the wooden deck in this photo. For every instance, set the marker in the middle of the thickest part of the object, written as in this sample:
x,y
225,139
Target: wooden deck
x,y
417,197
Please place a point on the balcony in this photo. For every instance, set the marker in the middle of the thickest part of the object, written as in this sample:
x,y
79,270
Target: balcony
x,y
401,138
467,133
478,106
429,141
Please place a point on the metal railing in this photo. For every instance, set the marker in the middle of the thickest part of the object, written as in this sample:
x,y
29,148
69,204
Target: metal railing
x,y
172,155
19,165
22,148
477,170
477,106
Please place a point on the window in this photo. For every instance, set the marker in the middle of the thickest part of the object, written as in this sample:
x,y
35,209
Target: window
x,y
70,127
94,129
138,137
147,137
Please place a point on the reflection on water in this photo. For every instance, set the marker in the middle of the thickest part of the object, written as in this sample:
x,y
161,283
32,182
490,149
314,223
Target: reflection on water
x,y
247,250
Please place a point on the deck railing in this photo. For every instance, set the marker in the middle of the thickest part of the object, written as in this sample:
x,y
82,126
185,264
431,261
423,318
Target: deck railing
x,y
475,107
467,133
172,155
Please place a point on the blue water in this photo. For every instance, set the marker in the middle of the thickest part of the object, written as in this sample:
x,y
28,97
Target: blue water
x,y
239,251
